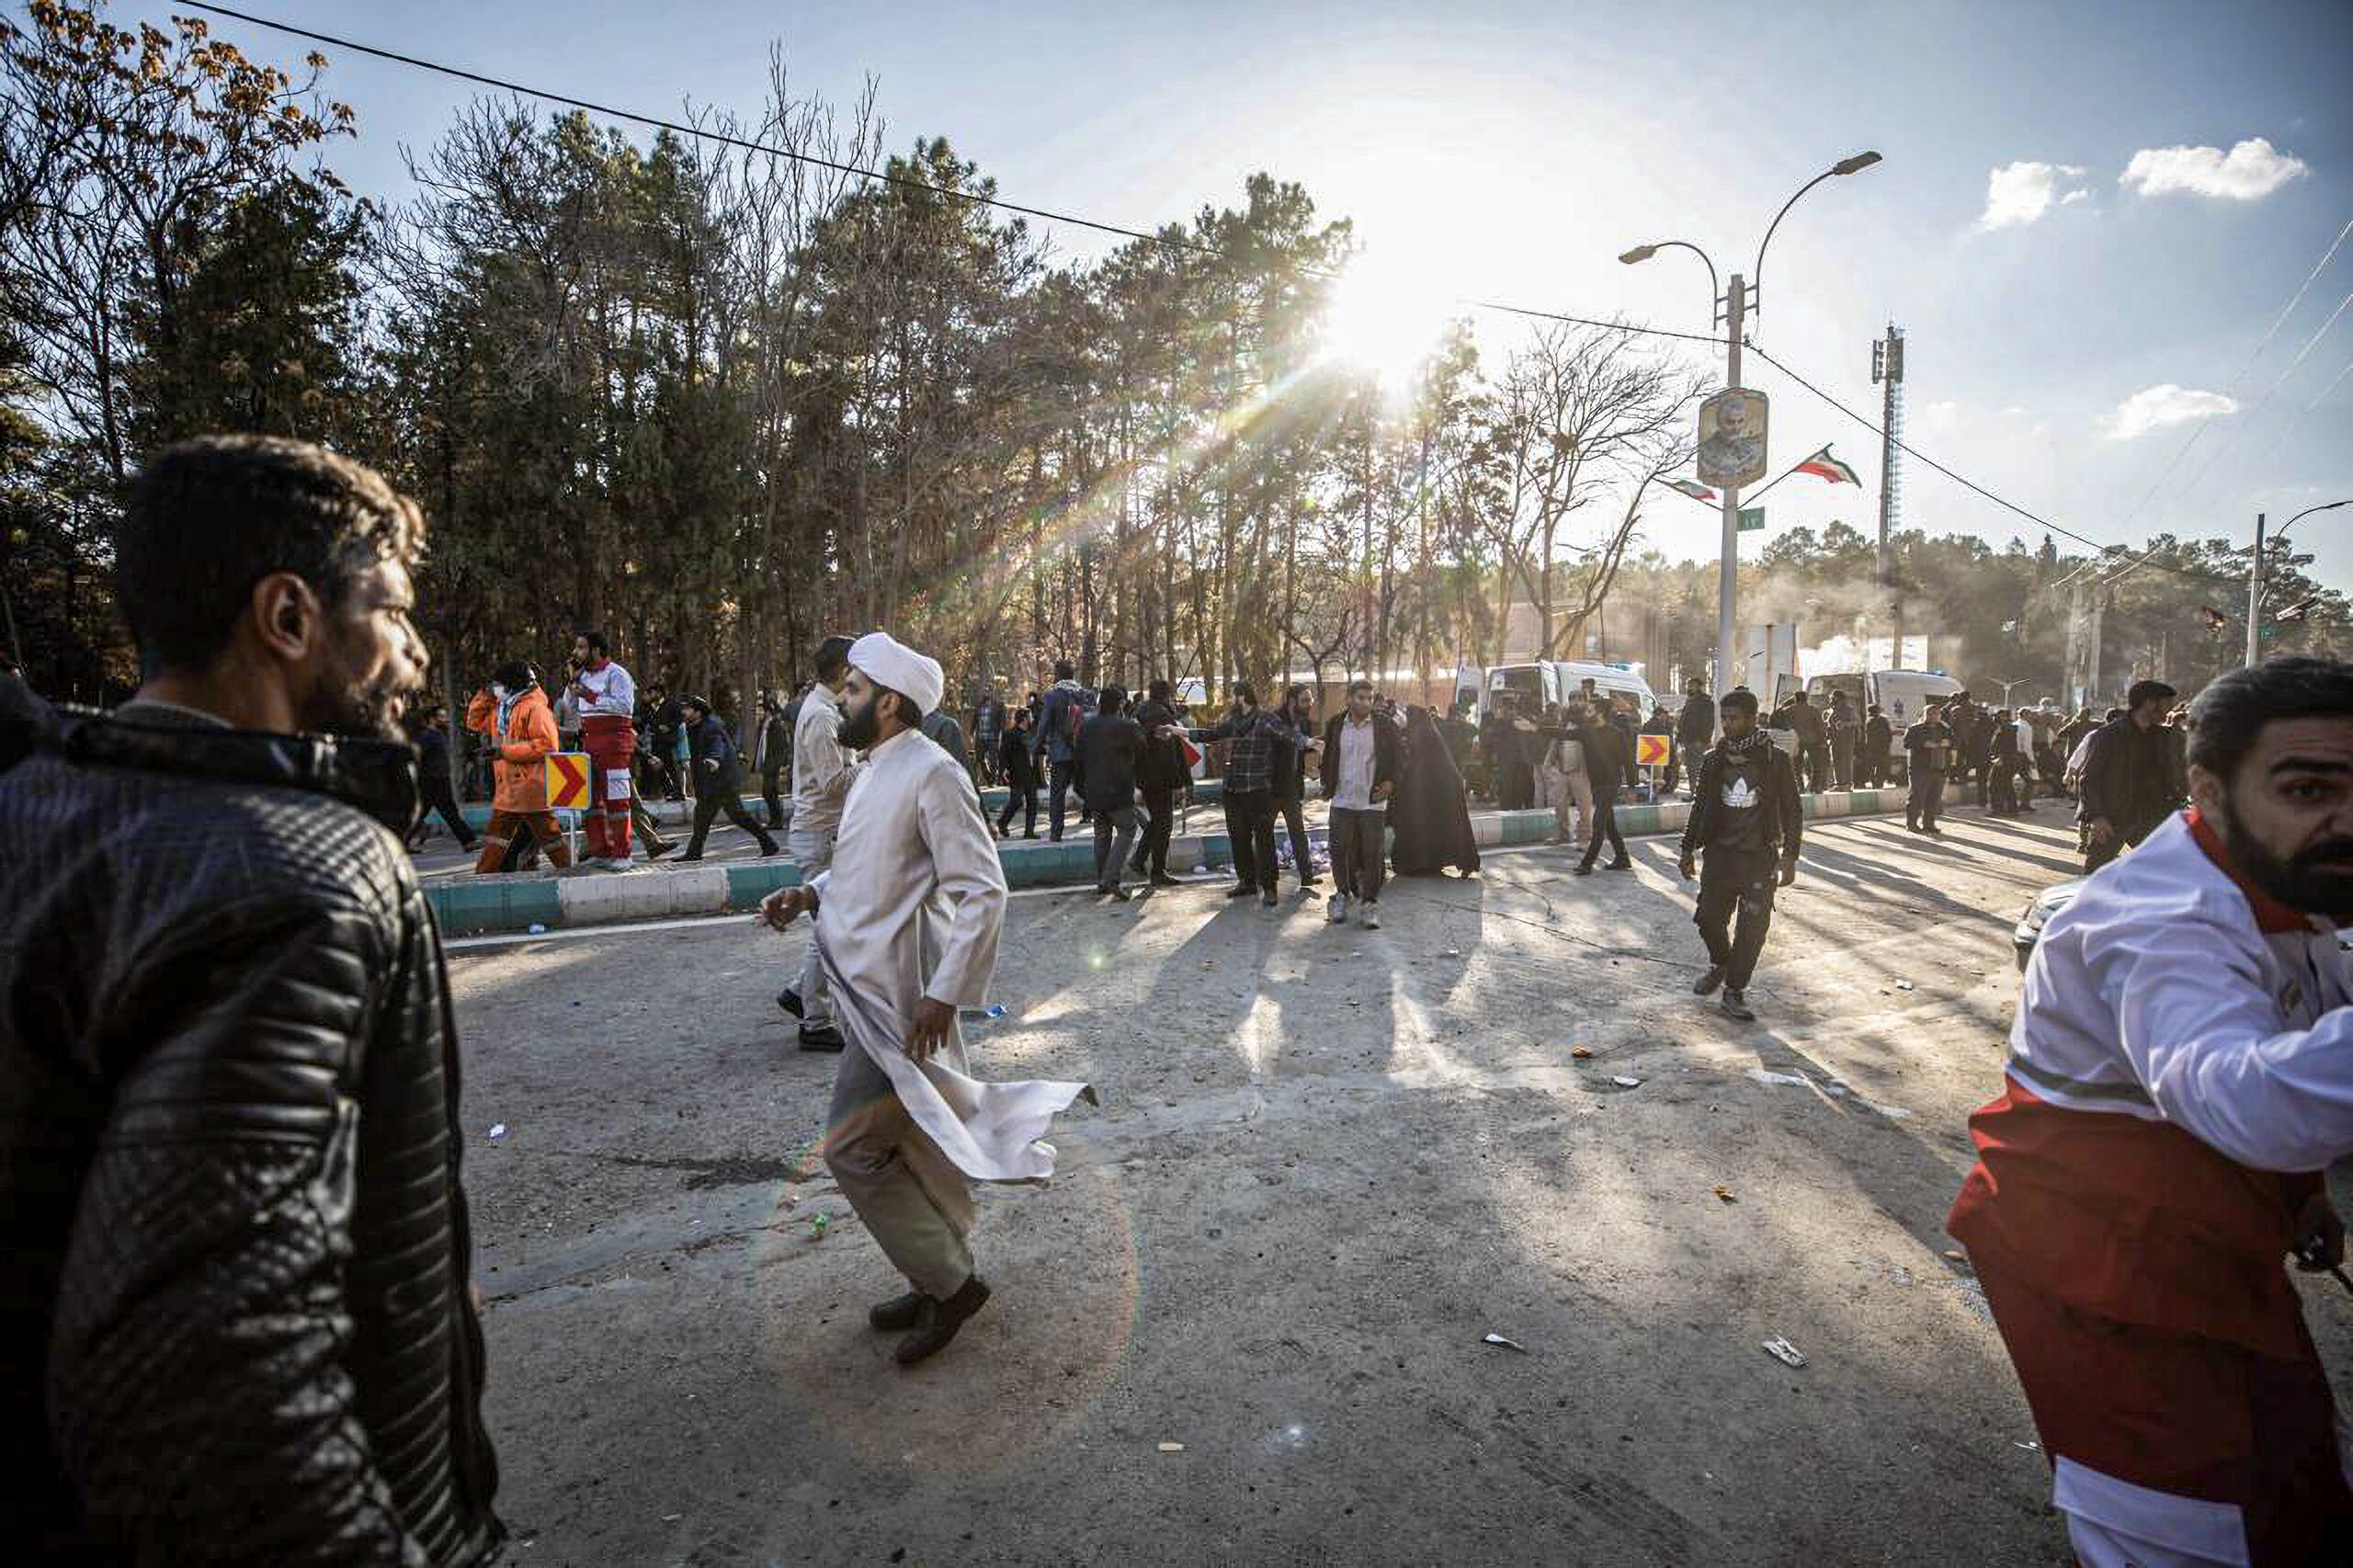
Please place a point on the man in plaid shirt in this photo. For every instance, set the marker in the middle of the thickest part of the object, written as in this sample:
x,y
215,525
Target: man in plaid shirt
x,y
1255,736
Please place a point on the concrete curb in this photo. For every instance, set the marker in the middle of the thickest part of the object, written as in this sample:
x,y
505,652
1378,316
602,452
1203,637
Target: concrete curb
x,y
681,813
483,905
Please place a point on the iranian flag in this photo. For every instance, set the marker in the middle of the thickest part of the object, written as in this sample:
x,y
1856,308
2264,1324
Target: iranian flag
x,y
1691,487
1822,465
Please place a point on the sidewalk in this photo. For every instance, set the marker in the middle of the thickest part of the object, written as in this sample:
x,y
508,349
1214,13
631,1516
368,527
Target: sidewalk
x,y
480,906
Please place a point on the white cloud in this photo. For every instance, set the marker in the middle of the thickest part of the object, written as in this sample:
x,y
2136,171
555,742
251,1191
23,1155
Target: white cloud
x,y
2020,193
2248,172
2154,408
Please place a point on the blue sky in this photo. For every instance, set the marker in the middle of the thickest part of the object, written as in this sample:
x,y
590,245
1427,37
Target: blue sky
x,y
1511,150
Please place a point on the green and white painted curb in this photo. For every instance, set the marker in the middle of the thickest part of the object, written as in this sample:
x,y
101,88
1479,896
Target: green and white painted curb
x,y
485,906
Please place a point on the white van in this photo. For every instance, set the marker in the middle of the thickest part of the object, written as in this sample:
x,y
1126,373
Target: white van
x,y
1541,681
1902,695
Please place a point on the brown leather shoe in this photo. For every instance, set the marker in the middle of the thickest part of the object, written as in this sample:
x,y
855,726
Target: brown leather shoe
x,y
937,1322
899,1313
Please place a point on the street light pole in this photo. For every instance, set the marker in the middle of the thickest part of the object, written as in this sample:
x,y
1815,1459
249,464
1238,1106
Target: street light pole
x,y
2254,598
2255,572
1729,672
1735,302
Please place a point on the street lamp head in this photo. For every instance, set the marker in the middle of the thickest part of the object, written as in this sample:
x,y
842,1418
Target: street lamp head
x,y
1640,253
1855,165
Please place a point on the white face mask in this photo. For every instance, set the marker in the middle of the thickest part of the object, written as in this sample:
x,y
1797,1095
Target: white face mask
x,y
499,691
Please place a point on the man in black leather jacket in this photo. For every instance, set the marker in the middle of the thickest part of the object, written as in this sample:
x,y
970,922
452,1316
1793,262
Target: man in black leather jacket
x,y
236,1322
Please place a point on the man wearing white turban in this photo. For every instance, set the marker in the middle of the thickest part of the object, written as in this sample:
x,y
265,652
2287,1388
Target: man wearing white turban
x,y
907,920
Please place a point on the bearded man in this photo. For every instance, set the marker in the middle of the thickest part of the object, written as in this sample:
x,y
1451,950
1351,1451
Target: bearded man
x,y
2180,1077
907,919
235,1323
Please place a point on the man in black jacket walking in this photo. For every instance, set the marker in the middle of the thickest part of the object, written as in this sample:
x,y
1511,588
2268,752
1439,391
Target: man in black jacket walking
x,y
2133,778
1020,775
1111,753
1608,758
719,776
1746,816
235,1315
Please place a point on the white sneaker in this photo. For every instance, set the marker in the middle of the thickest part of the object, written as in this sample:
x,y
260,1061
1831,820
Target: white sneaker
x,y
1371,921
1335,909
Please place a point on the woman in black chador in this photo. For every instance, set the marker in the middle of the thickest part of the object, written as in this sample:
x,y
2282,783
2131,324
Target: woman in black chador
x,y
1431,814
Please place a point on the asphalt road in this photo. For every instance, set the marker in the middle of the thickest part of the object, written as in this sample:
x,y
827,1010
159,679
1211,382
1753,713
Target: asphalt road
x,y
1327,1163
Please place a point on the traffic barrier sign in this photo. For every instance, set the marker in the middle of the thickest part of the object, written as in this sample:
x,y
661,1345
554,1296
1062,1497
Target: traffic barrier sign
x,y
567,781
1653,751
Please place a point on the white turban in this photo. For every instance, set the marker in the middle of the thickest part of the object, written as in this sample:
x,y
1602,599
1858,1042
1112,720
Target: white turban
x,y
888,662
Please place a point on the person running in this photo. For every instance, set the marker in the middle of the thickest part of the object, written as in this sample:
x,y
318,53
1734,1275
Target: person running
x,y
719,777
1361,759
1929,750
2180,1082
513,712
432,738
1749,821
907,922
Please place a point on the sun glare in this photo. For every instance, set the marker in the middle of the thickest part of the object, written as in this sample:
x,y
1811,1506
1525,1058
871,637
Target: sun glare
x,y
1384,319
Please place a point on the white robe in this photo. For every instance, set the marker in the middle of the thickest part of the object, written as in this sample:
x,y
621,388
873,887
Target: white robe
x,y
911,909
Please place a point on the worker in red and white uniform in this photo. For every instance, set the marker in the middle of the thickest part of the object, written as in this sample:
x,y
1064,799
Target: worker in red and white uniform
x,y
606,701
2180,1076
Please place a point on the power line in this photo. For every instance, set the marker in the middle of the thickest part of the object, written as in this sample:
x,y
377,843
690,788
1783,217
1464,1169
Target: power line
x,y
1970,484
2200,430
881,177
975,198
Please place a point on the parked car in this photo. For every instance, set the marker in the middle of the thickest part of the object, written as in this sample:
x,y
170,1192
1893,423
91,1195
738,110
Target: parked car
x,y
2047,902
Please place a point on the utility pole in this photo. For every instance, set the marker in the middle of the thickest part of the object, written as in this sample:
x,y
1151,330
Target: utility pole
x,y
1728,670
2068,686
2254,598
1887,370
2091,650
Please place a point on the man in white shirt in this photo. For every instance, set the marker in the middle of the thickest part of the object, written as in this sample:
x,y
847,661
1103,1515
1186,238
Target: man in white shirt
x,y
2180,1078
907,925
605,698
821,773
1359,768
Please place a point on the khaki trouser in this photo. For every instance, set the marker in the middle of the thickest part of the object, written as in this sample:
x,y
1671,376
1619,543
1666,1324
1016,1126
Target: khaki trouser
x,y
1575,790
905,1192
813,853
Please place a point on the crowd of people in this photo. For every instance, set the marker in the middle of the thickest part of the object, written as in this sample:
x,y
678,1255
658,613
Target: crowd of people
x,y
237,1315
